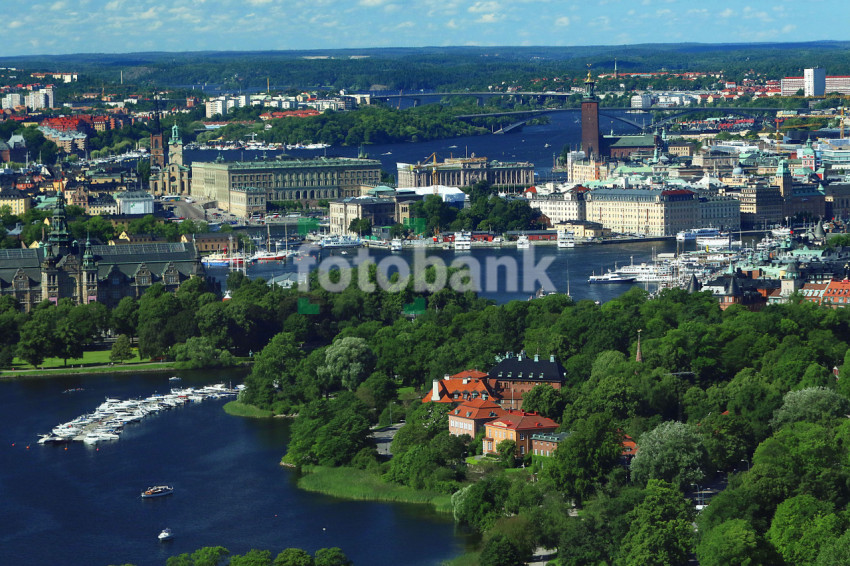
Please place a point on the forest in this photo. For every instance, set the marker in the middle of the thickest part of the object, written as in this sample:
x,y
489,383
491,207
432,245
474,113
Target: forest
x,y
755,402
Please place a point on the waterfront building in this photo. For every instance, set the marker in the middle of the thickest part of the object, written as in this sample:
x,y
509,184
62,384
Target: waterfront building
x,y
134,203
717,211
379,212
650,212
761,206
465,172
302,180
63,268
561,207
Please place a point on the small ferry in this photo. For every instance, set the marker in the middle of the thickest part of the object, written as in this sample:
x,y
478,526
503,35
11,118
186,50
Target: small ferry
x,y
694,233
340,242
157,491
463,241
566,239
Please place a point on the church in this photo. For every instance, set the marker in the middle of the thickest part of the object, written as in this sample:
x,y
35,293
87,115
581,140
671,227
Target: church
x,y
64,268
172,177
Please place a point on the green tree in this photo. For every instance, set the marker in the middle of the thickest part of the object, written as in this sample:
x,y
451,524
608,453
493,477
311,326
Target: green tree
x,y
500,551
331,557
732,542
507,453
814,404
672,451
252,558
125,317
348,361
360,226
275,372
835,552
198,352
544,399
801,526
37,336
661,533
293,557
121,349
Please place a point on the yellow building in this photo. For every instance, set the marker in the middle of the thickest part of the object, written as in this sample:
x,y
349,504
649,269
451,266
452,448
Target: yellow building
x,y
648,212
16,200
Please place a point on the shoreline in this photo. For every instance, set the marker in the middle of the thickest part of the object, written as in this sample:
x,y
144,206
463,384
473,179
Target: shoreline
x,y
148,367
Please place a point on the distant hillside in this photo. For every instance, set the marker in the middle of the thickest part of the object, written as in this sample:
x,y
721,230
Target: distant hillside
x,y
437,68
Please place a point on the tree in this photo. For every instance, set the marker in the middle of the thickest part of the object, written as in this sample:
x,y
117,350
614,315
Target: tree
x,y
360,226
836,552
198,352
507,453
660,533
801,526
331,557
125,317
732,542
275,372
37,336
584,459
252,558
348,361
672,451
121,349
500,551
293,557
544,399
814,404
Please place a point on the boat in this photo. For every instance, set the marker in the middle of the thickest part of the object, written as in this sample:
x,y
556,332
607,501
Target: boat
x,y
566,239
463,241
523,243
166,534
694,233
340,242
395,245
611,277
157,491
221,259
782,232
723,241
175,378
646,272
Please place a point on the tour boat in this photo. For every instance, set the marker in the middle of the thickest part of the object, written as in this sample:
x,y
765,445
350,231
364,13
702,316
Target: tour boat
x,y
157,491
611,277
694,233
166,534
463,241
566,240
340,242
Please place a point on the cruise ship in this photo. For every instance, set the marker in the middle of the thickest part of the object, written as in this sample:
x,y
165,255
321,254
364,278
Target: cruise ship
x,y
463,241
694,233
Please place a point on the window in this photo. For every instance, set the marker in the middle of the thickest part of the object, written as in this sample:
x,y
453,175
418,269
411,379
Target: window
x,y
522,436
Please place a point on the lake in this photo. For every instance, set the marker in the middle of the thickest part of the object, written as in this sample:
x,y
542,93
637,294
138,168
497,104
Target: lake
x,y
82,505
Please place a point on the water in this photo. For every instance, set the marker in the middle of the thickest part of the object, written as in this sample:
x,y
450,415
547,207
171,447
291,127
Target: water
x,y
569,269
530,144
82,505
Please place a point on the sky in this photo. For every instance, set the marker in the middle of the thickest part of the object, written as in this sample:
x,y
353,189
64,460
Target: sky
x,y
125,26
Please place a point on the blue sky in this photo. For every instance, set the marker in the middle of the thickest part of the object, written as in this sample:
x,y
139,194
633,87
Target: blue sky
x,y
121,26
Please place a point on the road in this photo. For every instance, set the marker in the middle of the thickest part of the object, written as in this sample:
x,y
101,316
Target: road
x,y
384,438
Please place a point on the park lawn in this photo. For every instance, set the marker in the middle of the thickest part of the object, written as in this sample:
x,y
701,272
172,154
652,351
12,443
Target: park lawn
x,y
352,483
91,358
239,409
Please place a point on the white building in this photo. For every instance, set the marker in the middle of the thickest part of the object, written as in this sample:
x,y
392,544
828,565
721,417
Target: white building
x,y
641,101
12,100
560,207
134,202
814,82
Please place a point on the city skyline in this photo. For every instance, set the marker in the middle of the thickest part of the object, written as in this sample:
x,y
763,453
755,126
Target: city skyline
x,y
122,26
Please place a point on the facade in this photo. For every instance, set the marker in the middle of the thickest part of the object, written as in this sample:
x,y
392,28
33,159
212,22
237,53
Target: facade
x,y
649,212
18,201
379,212
515,375
814,82
173,178
561,207
545,443
303,180
761,206
134,202
716,211
517,426
465,172
247,201
834,84
471,416
62,268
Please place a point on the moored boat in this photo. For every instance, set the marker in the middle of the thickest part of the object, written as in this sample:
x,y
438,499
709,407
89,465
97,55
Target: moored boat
x,y
611,277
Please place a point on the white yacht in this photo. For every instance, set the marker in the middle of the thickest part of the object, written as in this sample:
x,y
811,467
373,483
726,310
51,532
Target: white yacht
x,y
395,245
566,239
523,243
166,534
463,241
694,233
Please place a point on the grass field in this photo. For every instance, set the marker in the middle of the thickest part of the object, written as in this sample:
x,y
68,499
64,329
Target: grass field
x,y
351,483
238,409
95,361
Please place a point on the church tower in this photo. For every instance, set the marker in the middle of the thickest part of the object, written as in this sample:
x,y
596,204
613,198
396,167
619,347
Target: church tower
x,y
590,120
783,179
175,146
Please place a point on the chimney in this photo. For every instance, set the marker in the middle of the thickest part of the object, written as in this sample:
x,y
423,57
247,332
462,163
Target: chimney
x,y
552,358
536,357
435,391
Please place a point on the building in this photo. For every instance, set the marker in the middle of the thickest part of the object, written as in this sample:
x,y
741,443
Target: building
x,y
174,177
518,427
515,375
561,207
17,201
545,443
790,86
379,211
465,172
302,180
761,206
247,201
718,211
814,82
85,273
590,121
650,212
134,202
470,416
462,387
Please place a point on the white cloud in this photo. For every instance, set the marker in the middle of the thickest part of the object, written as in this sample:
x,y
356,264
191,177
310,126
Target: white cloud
x,y
480,7
405,25
727,13
114,5
563,21
789,28
258,2
372,3
451,24
14,24
489,18
56,6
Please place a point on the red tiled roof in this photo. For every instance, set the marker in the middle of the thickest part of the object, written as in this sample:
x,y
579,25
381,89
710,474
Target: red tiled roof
x,y
519,420
460,387
478,409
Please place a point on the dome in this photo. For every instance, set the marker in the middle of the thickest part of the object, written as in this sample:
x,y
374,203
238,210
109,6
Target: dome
x,y
737,171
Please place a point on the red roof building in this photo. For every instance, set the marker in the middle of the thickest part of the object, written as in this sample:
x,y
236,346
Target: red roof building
x,y
465,386
470,416
517,426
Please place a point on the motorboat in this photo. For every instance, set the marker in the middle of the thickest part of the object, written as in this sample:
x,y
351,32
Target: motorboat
x,y
694,233
157,491
523,243
166,534
611,277
174,378
395,245
463,241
